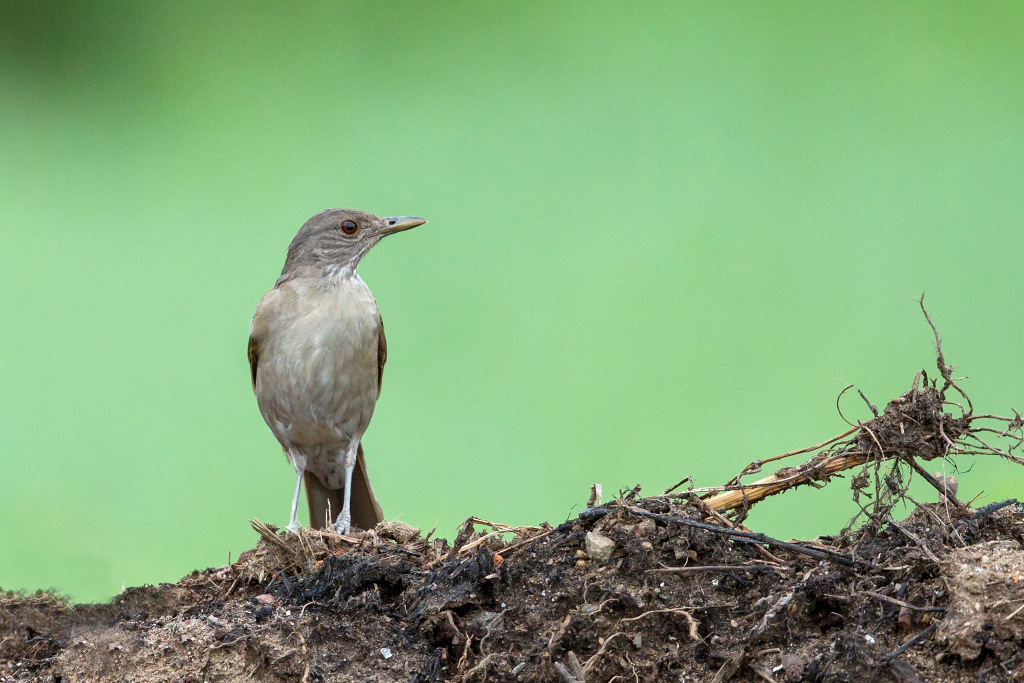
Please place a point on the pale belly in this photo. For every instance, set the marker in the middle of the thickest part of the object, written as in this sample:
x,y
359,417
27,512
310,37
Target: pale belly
x,y
317,383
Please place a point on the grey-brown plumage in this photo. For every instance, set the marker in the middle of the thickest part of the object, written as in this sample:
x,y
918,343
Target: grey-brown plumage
x,y
317,352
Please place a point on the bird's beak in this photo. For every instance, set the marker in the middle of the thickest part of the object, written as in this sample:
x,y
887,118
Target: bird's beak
x,y
399,223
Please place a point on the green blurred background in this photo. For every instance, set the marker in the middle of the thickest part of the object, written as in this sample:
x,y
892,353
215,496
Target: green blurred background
x,y
663,237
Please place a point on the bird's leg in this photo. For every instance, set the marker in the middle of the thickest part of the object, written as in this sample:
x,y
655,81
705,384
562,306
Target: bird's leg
x,y
343,524
293,524
299,462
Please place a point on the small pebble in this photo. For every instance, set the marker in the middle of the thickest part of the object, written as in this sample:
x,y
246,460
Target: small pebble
x,y
599,547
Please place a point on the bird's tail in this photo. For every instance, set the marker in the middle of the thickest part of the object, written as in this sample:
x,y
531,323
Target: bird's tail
x,y
366,512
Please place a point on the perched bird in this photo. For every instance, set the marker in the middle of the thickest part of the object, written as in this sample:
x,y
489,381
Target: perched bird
x,y
317,354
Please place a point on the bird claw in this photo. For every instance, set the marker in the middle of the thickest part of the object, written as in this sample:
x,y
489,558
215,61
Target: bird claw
x,y
292,529
343,526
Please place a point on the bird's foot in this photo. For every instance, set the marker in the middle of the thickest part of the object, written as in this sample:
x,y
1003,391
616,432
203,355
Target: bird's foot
x,y
343,525
292,528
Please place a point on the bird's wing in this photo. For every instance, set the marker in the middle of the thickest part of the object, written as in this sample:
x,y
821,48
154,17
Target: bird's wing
x,y
258,331
382,353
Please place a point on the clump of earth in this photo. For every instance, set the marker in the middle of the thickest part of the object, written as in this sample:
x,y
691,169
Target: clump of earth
x,y
629,591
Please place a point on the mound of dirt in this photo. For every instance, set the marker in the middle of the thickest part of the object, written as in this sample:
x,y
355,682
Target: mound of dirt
x,y
641,590
665,588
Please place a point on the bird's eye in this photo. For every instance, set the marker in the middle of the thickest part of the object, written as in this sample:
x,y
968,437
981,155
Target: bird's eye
x,y
349,227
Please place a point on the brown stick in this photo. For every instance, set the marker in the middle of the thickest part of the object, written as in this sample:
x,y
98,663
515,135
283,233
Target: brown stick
x,y
907,645
749,494
901,603
757,464
748,536
936,484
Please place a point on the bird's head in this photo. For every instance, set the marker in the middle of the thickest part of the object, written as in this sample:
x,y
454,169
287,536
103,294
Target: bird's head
x,y
334,241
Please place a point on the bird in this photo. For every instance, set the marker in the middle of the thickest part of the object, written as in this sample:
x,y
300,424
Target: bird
x,y
316,353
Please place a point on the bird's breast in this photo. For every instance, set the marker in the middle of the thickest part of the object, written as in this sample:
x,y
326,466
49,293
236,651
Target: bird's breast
x,y
318,375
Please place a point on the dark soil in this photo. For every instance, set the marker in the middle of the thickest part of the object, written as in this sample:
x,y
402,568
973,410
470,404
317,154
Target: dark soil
x,y
938,597
665,588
